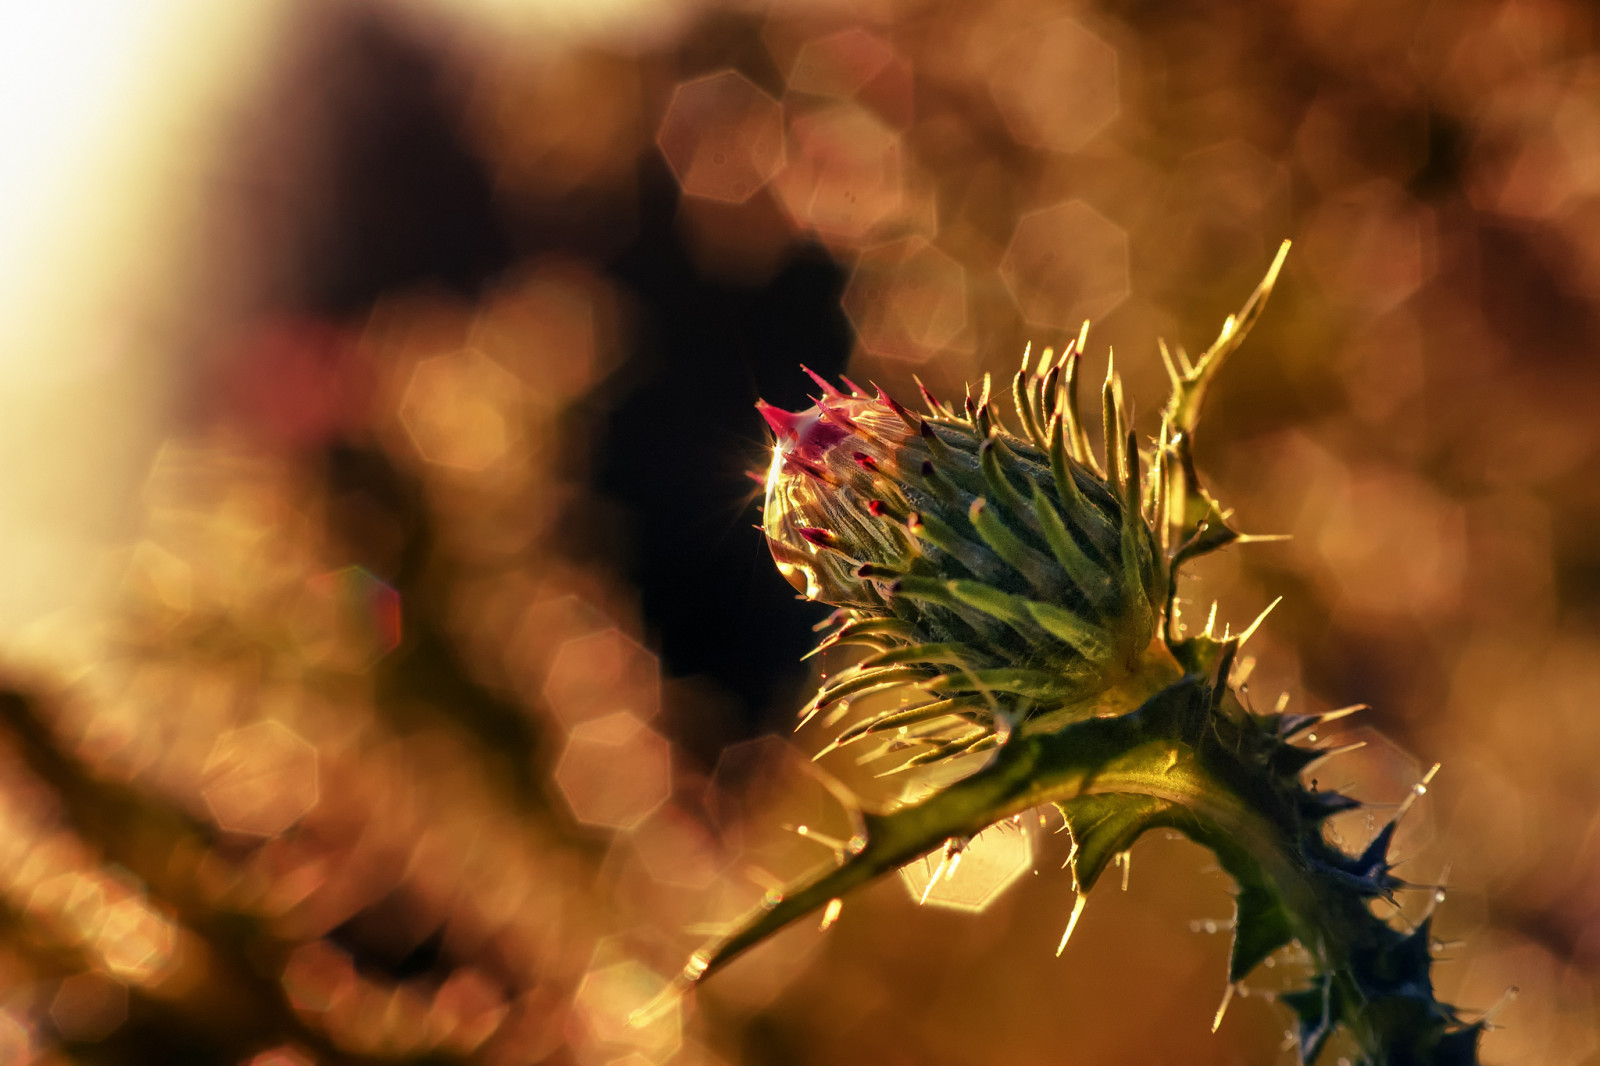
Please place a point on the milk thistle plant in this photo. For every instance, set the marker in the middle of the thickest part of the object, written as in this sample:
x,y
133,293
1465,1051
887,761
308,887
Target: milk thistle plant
x,y
1018,586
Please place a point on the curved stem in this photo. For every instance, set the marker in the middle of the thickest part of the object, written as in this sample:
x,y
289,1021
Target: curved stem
x,y
1241,808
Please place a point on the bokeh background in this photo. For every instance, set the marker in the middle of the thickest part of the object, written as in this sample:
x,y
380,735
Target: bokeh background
x,y
391,672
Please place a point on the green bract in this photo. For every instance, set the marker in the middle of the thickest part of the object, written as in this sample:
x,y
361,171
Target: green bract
x,y
1017,590
1003,573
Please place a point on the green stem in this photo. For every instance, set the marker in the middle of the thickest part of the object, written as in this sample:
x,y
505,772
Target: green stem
x,y
1207,784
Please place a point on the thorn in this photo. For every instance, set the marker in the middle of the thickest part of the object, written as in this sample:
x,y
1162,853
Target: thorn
x,y
935,408
1249,630
1501,1004
1418,790
1227,998
1342,712
1332,752
933,880
831,843
1211,620
911,420
822,538
1184,361
1166,359
838,617
1082,342
782,423
1077,906
837,417
830,914
1027,351
847,801
1277,265
1437,896
832,717
856,389
668,997
822,382
808,468
1297,724
757,476
1047,362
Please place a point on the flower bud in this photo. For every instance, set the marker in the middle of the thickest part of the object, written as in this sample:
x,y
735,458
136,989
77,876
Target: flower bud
x,y
1002,573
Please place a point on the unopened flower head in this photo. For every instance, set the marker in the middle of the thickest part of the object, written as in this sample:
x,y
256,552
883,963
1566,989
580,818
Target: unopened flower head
x,y
1005,574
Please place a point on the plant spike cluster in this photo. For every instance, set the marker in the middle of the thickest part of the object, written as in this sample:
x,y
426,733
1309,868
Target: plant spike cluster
x,y
1019,589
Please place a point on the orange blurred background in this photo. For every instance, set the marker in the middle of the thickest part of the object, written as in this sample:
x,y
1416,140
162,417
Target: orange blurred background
x,y
390,673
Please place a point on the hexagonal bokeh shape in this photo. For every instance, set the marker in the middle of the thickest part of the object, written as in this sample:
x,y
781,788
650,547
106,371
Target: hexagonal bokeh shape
x,y
552,329
353,618
462,410
88,1007
1371,246
614,772
722,136
471,1007
906,299
840,63
135,942
317,977
676,849
1057,86
16,1039
1066,263
608,995
160,583
844,176
260,779
602,673
1393,544
856,64
991,863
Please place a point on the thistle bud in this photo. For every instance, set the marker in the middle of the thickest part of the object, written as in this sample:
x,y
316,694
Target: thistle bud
x,y
1008,575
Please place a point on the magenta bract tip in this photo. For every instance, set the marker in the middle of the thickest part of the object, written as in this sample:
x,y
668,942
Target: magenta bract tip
x,y
820,537
827,389
794,462
782,423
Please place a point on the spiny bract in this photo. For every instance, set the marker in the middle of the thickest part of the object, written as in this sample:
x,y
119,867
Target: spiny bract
x,y
1018,589
1005,574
